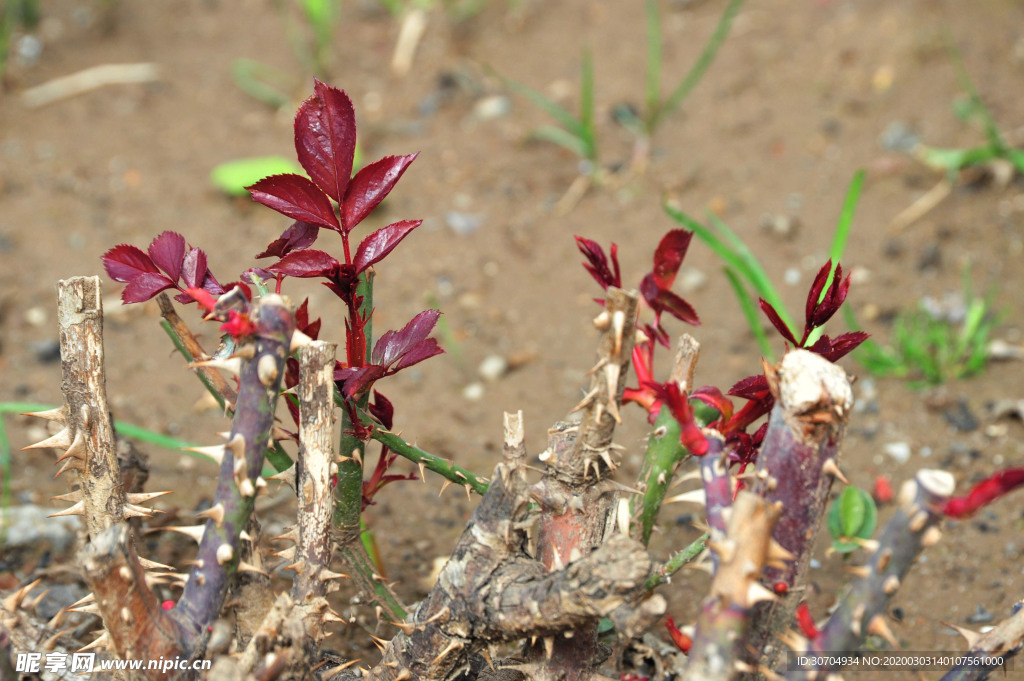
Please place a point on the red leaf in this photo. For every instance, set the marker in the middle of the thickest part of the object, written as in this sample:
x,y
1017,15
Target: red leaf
x,y
307,263
376,246
167,252
750,388
369,187
819,314
662,300
598,263
193,267
842,345
777,322
297,237
985,492
325,139
302,322
669,256
817,286
296,197
425,349
125,262
382,410
357,379
145,286
393,344
682,641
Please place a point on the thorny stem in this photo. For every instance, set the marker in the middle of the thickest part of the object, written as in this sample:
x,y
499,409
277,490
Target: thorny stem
x,y
677,561
185,342
431,462
259,386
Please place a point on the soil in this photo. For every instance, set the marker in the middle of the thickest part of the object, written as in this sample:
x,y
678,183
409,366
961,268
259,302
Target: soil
x,y
798,100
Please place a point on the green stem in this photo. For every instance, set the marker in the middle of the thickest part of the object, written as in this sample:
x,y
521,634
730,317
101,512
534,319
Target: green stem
x,y
355,556
431,462
677,561
664,452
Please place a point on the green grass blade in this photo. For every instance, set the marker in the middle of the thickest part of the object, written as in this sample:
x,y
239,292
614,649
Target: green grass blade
x,y
755,273
548,105
751,312
652,94
700,67
563,138
260,81
588,134
845,223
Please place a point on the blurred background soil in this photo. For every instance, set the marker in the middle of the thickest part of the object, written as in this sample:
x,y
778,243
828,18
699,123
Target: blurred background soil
x,y
803,93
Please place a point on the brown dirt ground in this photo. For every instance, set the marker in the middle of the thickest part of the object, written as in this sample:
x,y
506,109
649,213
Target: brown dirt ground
x,y
794,105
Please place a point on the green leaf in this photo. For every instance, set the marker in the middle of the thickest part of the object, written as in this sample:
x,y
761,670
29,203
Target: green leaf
x,y
234,176
852,516
851,512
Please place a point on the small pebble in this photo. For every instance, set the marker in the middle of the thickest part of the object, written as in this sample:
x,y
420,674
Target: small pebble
x,y
463,223
473,392
691,279
492,107
898,136
960,417
492,368
815,564
36,316
980,616
900,451
792,276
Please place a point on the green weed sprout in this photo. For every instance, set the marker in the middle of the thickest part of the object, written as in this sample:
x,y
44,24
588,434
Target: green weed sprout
x,y
572,132
745,272
929,350
971,107
656,109
312,40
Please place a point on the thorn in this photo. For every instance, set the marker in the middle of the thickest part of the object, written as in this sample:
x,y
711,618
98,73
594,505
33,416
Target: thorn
x,y
423,471
55,414
88,609
330,673
971,636
607,458
12,602
225,553
101,640
404,675
288,554
549,641
62,440
245,536
298,567
237,446
694,475
194,531
379,642
891,585
84,600
830,467
214,513
51,643
266,370
469,491
291,535
623,516
299,340
918,522
455,644
249,567
286,476
857,618
405,627
216,452
556,561
870,544
618,328
697,496
70,496
611,376
878,627
931,536
725,549
756,593
77,509
143,497
862,571
153,565
585,402
69,465
778,555
228,366
331,616
444,486
883,559
603,321
77,448
244,352
133,511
